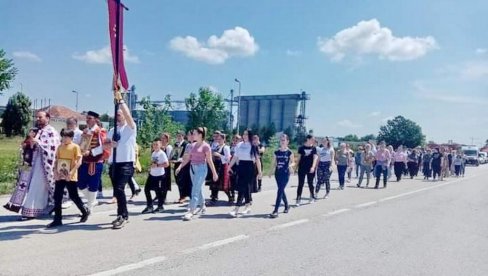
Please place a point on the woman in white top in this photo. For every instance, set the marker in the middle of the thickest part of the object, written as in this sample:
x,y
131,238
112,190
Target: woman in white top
x,y
326,155
168,149
400,164
245,156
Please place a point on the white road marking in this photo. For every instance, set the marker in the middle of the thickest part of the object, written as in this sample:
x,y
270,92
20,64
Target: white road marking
x,y
131,267
336,212
423,189
215,244
362,205
288,224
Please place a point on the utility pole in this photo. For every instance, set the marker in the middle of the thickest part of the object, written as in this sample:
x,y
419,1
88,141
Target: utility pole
x,y
238,105
76,92
231,117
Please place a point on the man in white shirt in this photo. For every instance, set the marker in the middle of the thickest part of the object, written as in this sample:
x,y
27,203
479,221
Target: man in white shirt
x,y
122,168
72,124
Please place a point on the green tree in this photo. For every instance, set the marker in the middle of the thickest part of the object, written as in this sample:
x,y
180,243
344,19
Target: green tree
x,y
17,115
7,71
351,138
267,132
401,131
106,118
156,120
368,137
206,109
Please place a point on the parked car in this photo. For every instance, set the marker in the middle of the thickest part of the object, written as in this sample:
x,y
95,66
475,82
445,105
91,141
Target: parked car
x,y
483,156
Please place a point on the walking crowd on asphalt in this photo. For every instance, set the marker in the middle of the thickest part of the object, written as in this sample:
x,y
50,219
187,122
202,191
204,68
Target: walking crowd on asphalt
x,y
56,167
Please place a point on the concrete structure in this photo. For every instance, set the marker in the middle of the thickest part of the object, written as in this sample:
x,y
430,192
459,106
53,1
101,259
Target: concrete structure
x,y
59,115
263,110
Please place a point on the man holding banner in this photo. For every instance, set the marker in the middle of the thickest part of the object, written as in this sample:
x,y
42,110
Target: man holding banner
x,y
122,168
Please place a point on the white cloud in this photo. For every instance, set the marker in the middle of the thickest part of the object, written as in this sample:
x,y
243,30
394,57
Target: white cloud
x,y
348,124
374,114
368,37
104,56
481,51
293,53
27,56
233,42
475,71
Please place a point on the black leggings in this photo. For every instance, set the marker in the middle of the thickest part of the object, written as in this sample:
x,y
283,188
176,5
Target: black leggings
x,y
436,168
301,183
399,170
245,175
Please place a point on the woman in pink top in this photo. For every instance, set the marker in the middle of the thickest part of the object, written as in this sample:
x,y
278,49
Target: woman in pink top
x,y
200,156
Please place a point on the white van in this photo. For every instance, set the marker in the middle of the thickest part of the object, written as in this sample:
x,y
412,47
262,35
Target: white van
x,y
471,154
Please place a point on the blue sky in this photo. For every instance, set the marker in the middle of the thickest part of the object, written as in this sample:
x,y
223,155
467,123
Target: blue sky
x,y
362,61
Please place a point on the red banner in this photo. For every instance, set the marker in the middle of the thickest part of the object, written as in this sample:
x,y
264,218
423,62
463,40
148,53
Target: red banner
x,y
120,76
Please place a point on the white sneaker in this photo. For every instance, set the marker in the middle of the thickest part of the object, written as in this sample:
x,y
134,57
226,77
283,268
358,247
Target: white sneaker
x,y
246,211
66,204
298,203
187,216
233,213
326,196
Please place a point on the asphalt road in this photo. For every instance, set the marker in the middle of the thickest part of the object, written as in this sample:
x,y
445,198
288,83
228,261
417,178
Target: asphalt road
x,y
411,228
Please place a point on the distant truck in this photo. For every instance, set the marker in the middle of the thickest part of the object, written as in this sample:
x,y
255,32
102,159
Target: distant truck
x,y
471,154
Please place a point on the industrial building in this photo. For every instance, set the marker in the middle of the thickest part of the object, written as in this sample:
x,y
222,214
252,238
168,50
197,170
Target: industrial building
x,y
281,110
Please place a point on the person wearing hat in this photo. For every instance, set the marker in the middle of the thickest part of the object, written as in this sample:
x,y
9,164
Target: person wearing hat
x,y
90,171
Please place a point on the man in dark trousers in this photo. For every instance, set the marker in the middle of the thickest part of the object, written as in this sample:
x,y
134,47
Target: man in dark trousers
x,y
122,168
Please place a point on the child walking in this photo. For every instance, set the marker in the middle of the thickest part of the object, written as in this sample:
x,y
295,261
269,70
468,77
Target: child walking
x,y
156,178
68,160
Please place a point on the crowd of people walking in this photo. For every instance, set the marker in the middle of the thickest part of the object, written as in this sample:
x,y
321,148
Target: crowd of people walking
x,y
56,167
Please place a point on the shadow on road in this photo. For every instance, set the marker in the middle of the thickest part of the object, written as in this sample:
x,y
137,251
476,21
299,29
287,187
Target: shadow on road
x,y
40,229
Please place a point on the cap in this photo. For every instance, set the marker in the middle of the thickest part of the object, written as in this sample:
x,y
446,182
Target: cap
x,y
93,114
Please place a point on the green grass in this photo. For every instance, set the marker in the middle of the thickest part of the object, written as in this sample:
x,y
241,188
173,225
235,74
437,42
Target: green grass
x,y
9,158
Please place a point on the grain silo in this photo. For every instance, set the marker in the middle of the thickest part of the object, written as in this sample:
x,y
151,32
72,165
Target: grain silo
x,y
263,110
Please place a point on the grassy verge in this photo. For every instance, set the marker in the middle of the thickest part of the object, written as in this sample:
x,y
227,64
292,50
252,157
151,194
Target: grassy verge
x,y
9,158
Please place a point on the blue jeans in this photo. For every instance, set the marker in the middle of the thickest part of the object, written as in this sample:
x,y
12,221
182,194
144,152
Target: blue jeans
x,y
380,169
198,173
341,170
282,178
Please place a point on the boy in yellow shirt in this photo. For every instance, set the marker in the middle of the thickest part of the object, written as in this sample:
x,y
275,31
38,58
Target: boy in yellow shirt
x,y
68,160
